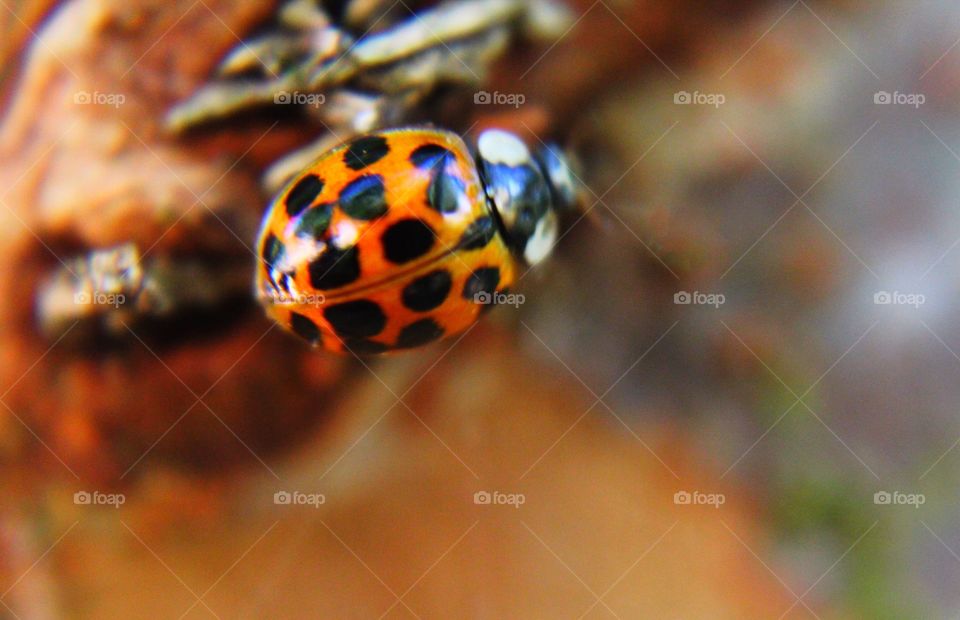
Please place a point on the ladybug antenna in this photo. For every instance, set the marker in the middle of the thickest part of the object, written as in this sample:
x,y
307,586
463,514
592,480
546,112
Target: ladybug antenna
x,y
566,170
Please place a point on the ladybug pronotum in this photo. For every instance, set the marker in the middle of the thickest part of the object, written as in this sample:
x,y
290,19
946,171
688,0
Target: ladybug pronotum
x,y
404,236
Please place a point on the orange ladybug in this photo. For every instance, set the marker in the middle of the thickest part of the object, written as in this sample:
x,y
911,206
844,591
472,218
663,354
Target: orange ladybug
x,y
404,236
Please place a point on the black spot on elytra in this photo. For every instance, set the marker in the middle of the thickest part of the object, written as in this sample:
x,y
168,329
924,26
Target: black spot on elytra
x,y
356,319
284,282
482,281
334,268
314,222
478,234
364,198
419,333
271,250
430,156
406,240
302,194
427,292
304,327
362,346
365,151
445,191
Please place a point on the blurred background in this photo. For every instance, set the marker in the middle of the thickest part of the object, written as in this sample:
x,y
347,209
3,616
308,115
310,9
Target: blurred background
x,y
731,393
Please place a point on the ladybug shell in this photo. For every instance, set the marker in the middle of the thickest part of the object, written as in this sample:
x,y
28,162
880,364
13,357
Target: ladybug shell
x,y
386,242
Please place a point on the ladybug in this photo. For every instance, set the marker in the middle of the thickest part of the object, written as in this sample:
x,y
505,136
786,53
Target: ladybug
x,y
404,236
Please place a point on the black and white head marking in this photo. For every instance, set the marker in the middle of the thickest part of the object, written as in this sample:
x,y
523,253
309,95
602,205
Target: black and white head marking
x,y
501,147
519,192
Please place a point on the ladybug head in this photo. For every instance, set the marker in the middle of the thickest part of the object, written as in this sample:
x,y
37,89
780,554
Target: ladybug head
x,y
528,191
